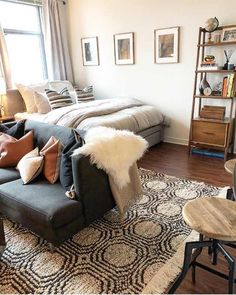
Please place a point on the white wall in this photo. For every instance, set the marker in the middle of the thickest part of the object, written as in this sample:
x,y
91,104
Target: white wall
x,y
168,86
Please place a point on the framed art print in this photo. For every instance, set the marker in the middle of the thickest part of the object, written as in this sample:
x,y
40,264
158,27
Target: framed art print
x,y
166,45
229,34
90,51
124,49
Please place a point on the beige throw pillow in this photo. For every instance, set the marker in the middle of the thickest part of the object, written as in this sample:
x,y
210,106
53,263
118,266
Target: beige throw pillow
x,y
42,102
30,166
27,92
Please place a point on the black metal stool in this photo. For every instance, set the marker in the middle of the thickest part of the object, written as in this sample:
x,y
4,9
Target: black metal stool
x,y
230,168
214,218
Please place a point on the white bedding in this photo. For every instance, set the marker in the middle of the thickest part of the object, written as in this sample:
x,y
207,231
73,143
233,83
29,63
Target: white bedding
x,y
129,114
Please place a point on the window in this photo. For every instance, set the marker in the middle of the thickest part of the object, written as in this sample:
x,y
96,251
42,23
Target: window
x,y
23,33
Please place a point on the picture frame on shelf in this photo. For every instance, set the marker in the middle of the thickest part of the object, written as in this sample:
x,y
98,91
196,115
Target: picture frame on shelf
x,y
90,52
124,48
229,34
166,45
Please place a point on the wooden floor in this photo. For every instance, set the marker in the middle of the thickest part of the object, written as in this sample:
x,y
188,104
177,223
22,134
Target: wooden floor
x,y
173,160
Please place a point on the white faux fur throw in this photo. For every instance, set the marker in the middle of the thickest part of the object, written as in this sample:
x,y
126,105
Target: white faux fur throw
x,y
114,151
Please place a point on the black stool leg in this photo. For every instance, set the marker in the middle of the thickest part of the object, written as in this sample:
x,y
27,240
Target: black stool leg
x,y
210,249
230,194
187,261
193,273
231,277
195,256
231,263
214,252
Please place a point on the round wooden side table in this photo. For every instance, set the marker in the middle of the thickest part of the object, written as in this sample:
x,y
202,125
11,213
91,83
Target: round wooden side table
x,y
214,218
229,165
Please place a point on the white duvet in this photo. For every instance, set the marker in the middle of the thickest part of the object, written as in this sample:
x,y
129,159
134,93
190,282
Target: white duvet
x,y
129,114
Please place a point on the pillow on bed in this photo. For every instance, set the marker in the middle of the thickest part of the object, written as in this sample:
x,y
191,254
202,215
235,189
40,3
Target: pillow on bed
x,y
16,131
85,94
27,93
59,85
42,102
59,100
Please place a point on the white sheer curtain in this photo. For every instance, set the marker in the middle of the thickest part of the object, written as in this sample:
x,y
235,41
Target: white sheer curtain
x,y
56,44
5,69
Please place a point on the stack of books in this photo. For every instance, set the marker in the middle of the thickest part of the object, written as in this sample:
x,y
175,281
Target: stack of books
x,y
212,112
228,85
208,65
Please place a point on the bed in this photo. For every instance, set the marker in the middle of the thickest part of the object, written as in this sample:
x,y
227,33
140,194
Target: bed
x,y
129,114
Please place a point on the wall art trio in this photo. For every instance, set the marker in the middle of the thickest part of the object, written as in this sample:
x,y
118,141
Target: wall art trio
x,y
166,48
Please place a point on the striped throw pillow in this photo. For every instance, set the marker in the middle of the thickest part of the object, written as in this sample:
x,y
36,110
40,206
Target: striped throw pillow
x,y
85,94
59,100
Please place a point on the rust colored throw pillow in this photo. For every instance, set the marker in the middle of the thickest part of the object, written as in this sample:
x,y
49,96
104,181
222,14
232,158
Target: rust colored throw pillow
x,y
12,149
52,158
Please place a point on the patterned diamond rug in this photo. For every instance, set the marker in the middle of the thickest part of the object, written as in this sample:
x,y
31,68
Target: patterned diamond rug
x,y
142,253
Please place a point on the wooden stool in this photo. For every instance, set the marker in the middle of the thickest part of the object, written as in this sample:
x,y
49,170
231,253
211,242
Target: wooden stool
x,y
214,218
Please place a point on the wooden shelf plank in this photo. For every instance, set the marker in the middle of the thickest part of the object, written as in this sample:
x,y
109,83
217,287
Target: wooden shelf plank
x,y
216,71
217,44
213,96
225,121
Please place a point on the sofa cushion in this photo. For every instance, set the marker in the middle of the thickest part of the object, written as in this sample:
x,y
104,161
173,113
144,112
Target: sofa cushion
x,y
17,130
43,132
8,174
44,203
66,175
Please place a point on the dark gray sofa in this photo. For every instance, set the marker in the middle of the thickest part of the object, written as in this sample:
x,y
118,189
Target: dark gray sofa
x,y
44,208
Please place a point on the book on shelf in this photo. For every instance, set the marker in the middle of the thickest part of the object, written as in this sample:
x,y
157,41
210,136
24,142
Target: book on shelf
x,y
216,68
208,66
228,85
224,86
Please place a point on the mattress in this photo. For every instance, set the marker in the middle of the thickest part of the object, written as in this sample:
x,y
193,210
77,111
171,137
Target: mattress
x,y
129,114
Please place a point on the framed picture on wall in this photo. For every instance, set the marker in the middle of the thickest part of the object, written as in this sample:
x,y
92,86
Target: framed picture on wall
x,y
166,45
229,34
124,48
90,53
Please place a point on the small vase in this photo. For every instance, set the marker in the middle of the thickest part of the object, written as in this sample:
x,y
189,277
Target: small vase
x,y
203,84
226,66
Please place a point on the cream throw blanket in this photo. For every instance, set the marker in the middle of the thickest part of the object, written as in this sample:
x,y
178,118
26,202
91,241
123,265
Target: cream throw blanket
x,y
116,152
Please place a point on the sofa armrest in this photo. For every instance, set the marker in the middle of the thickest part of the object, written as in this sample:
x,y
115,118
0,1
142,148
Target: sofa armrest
x,y
92,188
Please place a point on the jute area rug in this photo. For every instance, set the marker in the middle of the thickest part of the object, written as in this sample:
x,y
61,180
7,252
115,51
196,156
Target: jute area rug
x,y
142,253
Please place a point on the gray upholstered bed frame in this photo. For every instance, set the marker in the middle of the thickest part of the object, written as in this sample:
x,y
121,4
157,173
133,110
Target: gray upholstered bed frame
x,y
13,103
